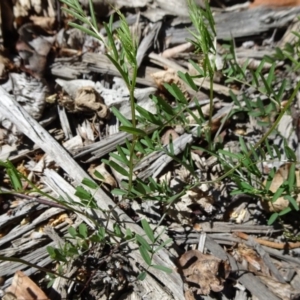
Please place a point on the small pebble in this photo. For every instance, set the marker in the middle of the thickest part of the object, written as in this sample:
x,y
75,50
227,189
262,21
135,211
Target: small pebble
x,y
248,44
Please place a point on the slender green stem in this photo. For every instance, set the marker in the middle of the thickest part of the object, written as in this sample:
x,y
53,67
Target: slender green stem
x,y
133,117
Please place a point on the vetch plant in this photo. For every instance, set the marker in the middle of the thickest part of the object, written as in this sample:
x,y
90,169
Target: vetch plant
x,y
241,168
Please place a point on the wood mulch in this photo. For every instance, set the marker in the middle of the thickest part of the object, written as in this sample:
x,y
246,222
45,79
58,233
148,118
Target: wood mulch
x,y
57,88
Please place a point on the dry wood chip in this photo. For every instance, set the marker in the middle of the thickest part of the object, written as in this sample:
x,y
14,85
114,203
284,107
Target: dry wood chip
x,y
207,272
283,290
248,256
47,23
23,288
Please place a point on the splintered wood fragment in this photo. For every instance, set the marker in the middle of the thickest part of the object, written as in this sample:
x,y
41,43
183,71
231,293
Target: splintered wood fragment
x,y
226,227
232,24
23,287
290,37
147,43
19,230
64,122
251,282
267,261
106,145
8,267
10,109
165,62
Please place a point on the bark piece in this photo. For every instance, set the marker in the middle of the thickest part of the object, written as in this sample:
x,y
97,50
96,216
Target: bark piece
x,y
24,288
206,272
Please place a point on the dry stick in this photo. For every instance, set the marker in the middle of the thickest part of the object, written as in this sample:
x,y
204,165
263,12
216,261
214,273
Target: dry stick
x,y
32,198
274,245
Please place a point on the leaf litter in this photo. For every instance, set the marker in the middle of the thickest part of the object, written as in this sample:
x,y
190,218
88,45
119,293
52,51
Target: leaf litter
x,y
48,54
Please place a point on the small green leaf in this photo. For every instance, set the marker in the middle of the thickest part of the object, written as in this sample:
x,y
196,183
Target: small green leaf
x,y
90,183
292,178
260,106
86,30
267,87
278,193
72,231
121,118
134,131
101,232
149,116
175,91
82,229
82,193
15,179
117,230
92,12
128,234
278,154
70,250
166,107
281,91
174,197
292,201
273,218
116,167
142,276
51,252
97,174
148,230
142,242
55,254
139,147
243,145
162,245
171,146
119,192
111,42
124,74
14,176
121,158
271,74
197,67
285,211
50,283
188,80
145,255
289,152
246,186
237,156
162,268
